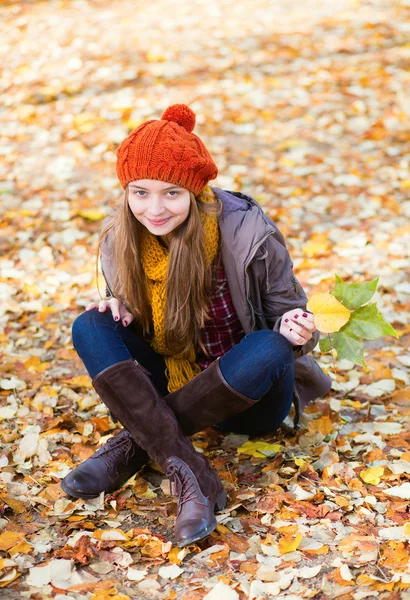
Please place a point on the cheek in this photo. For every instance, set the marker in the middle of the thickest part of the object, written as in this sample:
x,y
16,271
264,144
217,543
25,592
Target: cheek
x,y
137,208
182,210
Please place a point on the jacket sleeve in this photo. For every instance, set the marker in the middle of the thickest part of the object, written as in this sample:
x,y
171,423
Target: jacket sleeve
x,y
107,261
281,291
108,267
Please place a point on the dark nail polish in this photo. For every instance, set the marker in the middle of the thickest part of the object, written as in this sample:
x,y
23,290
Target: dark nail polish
x,y
125,323
305,315
286,320
290,330
116,318
296,316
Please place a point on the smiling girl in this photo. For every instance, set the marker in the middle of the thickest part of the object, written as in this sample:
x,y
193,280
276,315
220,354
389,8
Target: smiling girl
x,y
204,322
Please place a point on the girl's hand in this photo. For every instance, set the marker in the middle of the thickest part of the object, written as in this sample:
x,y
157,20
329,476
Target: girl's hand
x,y
119,312
297,326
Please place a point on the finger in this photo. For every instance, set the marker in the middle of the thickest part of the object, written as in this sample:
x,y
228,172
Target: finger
x,y
300,319
295,325
126,316
115,308
127,319
301,314
296,329
307,324
91,306
308,316
297,339
102,305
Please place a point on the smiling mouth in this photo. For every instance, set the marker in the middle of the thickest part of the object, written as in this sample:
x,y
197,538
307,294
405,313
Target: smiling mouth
x,y
159,222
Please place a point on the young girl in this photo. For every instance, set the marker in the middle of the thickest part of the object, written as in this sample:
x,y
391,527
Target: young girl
x,y
205,323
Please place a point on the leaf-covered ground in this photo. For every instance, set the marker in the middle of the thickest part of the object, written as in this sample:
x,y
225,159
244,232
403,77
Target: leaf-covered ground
x,y
303,104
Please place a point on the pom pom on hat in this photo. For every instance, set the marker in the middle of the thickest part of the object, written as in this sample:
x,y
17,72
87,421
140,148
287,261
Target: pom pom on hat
x,y
180,114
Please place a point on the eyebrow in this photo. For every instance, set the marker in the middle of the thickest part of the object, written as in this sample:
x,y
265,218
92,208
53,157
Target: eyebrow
x,y
173,187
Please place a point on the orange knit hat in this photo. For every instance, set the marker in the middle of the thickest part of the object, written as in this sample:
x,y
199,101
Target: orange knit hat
x,y
167,150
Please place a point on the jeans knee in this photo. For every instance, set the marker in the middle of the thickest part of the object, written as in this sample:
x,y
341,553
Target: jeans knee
x,y
84,325
269,342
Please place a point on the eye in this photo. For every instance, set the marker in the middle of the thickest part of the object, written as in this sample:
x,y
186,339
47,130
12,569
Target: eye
x,y
140,193
173,193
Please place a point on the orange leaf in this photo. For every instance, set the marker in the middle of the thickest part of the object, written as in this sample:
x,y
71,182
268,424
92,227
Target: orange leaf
x,y
323,425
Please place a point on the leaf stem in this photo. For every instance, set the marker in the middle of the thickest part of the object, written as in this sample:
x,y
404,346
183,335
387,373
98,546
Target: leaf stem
x,y
331,353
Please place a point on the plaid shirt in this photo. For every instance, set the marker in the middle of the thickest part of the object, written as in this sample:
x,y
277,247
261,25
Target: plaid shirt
x,y
223,329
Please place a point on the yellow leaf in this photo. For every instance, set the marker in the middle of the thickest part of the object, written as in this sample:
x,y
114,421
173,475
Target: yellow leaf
x,y
176,555
406,529
110,594
330,314
86,122
79,381
259,449
286,162
372,475
318,245
288,543
155,57
9,578
16,506
292,143
93,214
35,364
22,548
8,539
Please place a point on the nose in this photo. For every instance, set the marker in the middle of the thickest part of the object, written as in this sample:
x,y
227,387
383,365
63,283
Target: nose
x,y
156,206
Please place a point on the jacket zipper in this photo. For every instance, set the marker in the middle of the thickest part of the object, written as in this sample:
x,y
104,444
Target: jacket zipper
x,y
296,284
248,262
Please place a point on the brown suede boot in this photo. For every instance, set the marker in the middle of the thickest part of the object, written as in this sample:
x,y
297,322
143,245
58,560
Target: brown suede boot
x,y
129,393
107,469
198,519
204,401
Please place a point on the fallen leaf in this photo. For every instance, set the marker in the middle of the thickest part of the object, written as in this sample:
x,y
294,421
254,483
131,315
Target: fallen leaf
x,y
259,449
171,572
8,539
221,591
288,543
399,491
372,475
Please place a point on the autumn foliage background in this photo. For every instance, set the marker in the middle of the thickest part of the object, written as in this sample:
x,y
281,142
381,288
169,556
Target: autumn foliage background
x,y
305,106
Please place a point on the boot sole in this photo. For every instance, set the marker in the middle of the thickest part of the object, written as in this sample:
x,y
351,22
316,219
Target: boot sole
x,y
220,503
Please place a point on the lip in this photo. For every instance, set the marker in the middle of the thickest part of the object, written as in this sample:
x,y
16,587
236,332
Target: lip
x,y
159,223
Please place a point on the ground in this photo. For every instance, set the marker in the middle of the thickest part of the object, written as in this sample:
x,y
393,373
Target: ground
x,y
305,106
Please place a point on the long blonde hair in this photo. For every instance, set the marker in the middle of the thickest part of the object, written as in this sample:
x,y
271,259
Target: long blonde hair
x,y
189,279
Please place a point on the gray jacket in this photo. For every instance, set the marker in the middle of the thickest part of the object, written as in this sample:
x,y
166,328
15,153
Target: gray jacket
x,y
261,281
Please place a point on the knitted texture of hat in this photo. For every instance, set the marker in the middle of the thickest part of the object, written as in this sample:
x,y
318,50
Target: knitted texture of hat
x,y
167,150
180,369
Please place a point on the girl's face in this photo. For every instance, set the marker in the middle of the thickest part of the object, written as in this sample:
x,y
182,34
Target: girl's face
x,y
159,206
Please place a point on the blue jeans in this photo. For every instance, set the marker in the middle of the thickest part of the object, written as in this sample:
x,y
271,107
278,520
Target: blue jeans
x,y
260,367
